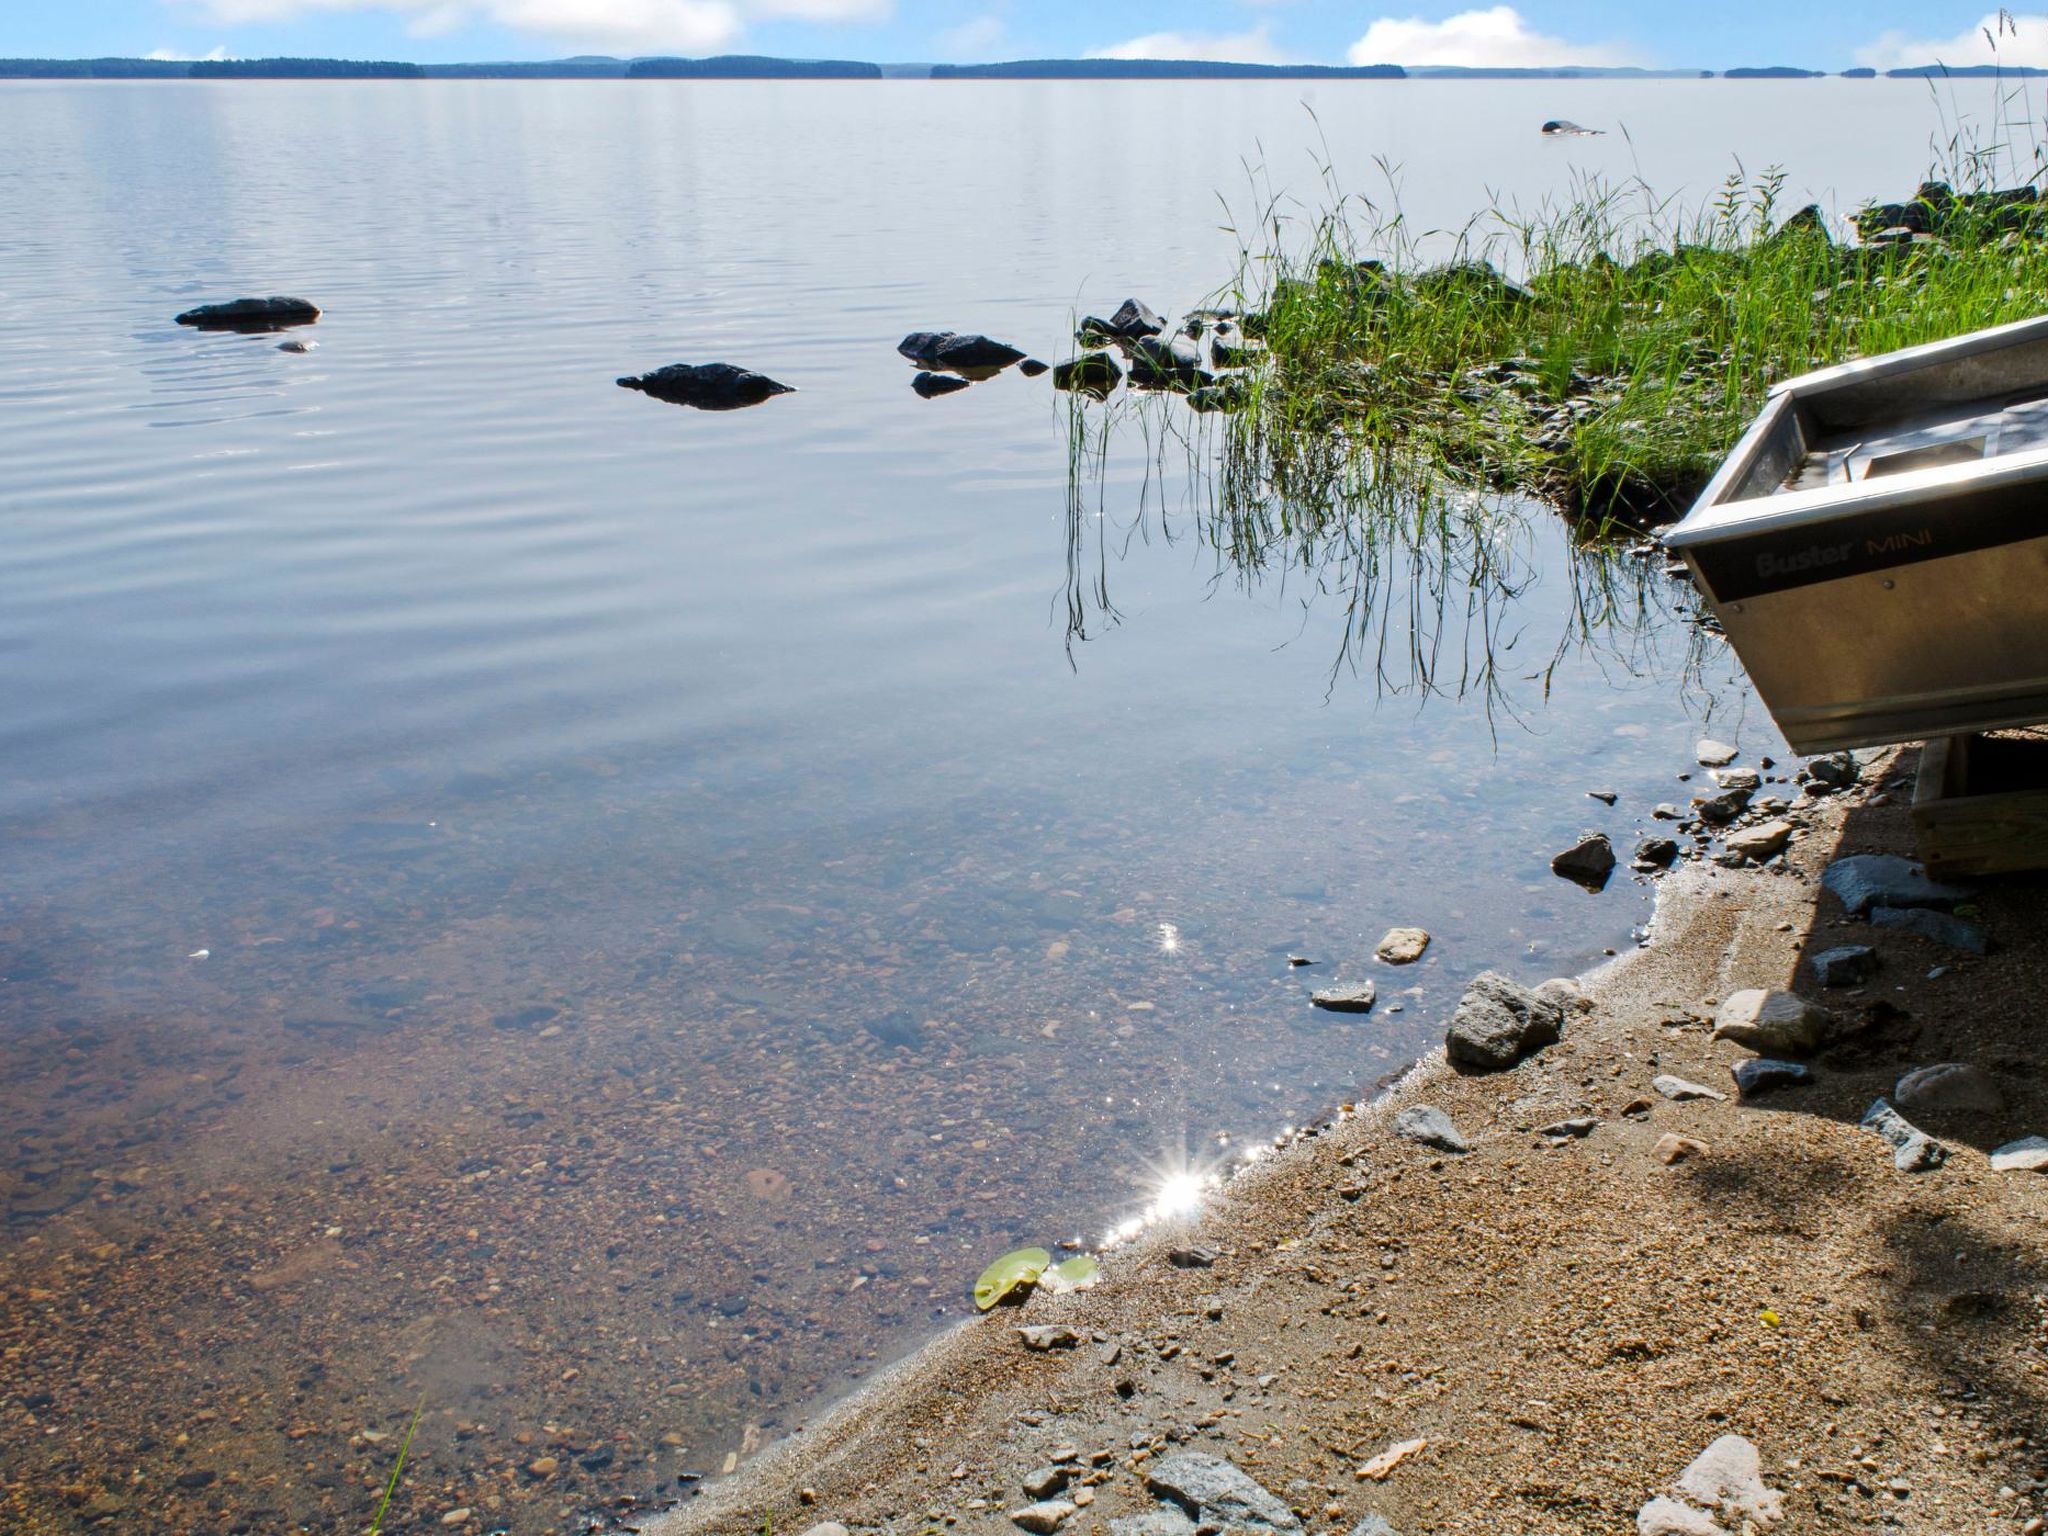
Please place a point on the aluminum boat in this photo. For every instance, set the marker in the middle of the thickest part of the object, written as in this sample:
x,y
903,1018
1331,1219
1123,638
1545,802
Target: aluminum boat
x,y
1876,545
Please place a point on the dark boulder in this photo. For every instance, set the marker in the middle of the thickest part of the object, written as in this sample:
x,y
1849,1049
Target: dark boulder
x,y
950,350
1031,368
932,385
1477,278
1229,395
1498,1022
271,314
1564,125
1229,356
1092,373
1587,862
1157,364
1134,318
707,386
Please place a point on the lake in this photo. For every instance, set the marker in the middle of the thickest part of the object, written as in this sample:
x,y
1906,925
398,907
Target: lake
x,y
597,920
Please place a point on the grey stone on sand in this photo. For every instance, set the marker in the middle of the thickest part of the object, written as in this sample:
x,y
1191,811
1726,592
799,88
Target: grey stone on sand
x,y
1218,1494
1761,842
1428,1126
826,1528
1574,1129
1166,1520
1949,1087
1679,1090
1589,861
1042,1518
1499,1022
1355,998
1764,1074
1913,1150
1770,1020
1044,1482
1936,927
1374,1525
1865,881
1403,946
1710,753
1846,965
2027,1155
1834,772
1566,993
1044,1336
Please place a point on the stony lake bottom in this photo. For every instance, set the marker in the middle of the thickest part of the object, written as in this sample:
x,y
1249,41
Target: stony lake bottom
x,y
599,919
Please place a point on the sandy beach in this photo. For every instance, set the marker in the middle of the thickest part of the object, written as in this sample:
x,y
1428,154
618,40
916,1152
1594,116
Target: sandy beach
x,y
1538,1336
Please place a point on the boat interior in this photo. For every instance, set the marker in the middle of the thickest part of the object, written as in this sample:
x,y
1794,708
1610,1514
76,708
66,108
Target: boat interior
x,y
1947,436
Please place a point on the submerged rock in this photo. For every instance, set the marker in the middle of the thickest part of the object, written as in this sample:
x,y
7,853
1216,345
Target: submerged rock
x,y
932,385
1913,1150
1499,1022
1587,862
1428,1126
269,314
1402,946
950,349
297,344
1357,998
1092,373
707,386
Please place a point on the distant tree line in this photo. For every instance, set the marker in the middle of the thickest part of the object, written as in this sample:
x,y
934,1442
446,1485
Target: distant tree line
x,y
1161,69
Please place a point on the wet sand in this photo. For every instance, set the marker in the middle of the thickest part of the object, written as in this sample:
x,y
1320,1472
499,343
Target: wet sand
x,y
1565,1324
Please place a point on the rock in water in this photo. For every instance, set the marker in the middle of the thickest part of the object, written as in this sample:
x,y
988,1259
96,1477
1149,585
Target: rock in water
x,y
1865,881
1031,368
1913,1150
1951,1087
1157,364
1351,999
1498,1022
931,385
1134,318
707,386
1763,1020
1565,126
1428,1126
1403,946
1713,754
1847,965
1587,862
297,344
949,349
1218,1494
1655,853
269,314
1092,373
1722,1492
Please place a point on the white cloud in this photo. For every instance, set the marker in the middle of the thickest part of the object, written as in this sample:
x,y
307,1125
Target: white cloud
x,y
621,26
1253,47
2024,41
978,38
1497,38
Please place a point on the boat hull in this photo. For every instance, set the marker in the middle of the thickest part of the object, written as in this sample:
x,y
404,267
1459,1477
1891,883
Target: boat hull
x,y
1893,651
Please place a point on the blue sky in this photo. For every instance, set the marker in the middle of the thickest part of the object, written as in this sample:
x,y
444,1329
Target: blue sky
x,y
1717,34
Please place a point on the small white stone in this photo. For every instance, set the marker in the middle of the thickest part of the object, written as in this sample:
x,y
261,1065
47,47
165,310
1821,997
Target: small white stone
x,y
2027,1155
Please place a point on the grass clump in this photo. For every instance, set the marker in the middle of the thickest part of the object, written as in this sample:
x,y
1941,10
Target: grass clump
x,y
1602,351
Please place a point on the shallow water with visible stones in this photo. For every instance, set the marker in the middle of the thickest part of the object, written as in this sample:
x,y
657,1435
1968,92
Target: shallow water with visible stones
x,y
598,919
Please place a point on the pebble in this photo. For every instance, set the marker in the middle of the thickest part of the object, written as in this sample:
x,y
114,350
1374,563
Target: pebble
x,y
1846,965
1710,753
1044,1336
1760,843
543,1466
1569,1130
1357,998
1604,796
1042,1518
1655,853
1913,1150
1166,1520
1044,1482
1191,1258
456,1517
1429,1126
1673,1148
1678,1089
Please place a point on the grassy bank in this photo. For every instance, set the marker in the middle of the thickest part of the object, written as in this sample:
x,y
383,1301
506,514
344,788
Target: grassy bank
x,y
1614,367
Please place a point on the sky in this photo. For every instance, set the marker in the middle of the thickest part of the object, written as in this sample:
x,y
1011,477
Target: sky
x,y
1717,34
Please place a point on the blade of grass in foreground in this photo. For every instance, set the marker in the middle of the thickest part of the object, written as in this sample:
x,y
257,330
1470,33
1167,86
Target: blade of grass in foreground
x,y
397,1467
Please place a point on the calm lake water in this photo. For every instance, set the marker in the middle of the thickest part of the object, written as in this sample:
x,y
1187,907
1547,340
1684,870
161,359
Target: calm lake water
x,y
601,918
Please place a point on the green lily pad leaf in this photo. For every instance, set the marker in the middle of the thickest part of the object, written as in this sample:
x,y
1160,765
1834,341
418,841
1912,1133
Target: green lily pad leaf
x,y
1076,1274
1012,1272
